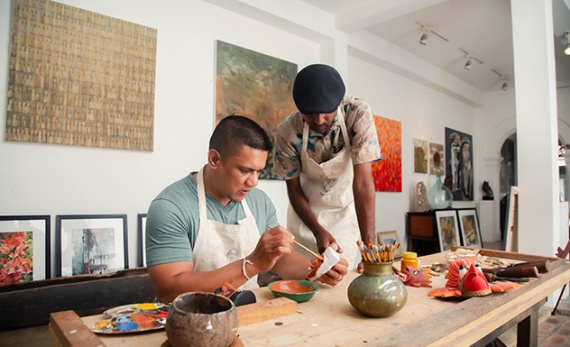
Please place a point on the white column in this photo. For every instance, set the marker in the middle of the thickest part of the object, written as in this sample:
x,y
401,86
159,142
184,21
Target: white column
x,y
537,130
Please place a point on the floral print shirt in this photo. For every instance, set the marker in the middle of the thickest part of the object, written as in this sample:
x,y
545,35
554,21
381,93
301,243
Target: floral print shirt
x,y
321,148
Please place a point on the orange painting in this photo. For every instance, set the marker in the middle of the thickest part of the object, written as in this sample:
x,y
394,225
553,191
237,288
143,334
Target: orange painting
x,y
388,171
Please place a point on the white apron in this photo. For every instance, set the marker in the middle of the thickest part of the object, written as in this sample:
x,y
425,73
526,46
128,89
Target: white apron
x,y
219,244
328,188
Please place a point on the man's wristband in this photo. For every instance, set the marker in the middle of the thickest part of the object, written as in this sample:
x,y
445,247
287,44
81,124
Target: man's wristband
x,y
245,261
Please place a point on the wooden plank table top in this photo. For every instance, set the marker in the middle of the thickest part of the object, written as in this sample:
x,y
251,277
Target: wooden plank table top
x,y
329,319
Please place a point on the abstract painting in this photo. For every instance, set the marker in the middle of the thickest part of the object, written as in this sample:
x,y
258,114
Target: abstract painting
x,y
388,171
79,78
420,156
254,85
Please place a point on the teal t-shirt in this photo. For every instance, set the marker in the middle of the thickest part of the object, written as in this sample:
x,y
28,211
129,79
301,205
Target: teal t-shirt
x,y
173,219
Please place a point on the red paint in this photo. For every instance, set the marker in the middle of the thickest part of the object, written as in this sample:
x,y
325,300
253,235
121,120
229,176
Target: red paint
x,y
291,287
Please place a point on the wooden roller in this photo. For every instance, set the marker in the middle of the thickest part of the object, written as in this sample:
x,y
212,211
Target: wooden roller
x,y
518,272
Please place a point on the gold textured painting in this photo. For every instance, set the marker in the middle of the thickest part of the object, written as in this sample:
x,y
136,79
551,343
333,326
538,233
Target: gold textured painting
x,y
254,85
79,78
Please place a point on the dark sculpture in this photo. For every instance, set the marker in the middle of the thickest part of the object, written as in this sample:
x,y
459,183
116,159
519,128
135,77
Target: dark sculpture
x,y
488,191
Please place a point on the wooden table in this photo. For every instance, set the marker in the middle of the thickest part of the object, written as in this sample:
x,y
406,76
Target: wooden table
x,y
328,319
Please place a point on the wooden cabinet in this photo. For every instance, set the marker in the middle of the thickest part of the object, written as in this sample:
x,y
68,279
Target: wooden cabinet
x,y
421,233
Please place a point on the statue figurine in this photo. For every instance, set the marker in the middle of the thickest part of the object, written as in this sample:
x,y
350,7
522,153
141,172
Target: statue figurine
x,y
488,191
422,203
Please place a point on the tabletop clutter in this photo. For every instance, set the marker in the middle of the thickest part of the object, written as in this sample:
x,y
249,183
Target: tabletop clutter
x,y
199,318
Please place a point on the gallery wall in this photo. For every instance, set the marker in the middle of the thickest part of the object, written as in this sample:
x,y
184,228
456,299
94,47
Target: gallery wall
x,y
56,179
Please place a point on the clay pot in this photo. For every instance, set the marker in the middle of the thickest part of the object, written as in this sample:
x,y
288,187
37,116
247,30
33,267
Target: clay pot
x,y
377,292
198,319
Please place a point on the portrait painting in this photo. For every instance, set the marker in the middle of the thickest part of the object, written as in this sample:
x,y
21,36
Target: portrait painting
x,y
459,167
436,159
387,172
420,156
254,85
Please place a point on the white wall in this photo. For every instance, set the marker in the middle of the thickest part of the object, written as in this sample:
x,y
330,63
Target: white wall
x,y
53,179
424,114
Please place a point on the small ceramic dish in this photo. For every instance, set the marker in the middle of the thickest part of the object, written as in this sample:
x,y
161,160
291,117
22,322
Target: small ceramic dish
x,y
297,290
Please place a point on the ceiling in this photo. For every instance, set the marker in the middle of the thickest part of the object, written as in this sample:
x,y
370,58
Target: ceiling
x,y
481,28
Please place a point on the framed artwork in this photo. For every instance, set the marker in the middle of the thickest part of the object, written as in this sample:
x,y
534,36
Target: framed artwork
x,y
436,159
447,229
141,224
91,244
469,226
67,78
459,168
387,172
24,248
254,85
512,221
390,237
420,156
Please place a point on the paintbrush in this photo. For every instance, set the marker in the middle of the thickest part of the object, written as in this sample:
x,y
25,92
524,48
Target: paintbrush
x,y
303,247
308,250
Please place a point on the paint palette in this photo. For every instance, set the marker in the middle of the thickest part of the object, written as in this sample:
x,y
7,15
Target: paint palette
x,y
132,318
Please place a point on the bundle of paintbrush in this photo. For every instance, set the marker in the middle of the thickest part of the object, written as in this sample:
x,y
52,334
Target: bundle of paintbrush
x,y
383,253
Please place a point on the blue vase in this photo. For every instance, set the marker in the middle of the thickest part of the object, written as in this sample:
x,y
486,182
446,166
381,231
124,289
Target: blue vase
x,y
439,196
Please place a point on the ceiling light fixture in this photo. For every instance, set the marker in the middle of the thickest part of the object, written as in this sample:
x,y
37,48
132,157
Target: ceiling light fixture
x,y
567,47
468,63
423,39
425,30
503,79
470,57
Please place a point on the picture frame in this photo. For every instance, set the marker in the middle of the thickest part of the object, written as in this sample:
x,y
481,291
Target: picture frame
x,y
510,239
29,240
447,229
91,244
469,227
390,237
141,228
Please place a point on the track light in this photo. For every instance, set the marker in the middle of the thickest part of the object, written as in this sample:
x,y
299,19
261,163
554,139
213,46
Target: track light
x,y
470,57
567,47
468,63
425,31
423,39
503,79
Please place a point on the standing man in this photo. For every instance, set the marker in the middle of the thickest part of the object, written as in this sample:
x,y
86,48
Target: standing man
x,y
214,226
322,150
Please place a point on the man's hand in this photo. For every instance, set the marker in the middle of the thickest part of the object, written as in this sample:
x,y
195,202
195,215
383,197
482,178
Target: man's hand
x,y
326,240
272,245
335,275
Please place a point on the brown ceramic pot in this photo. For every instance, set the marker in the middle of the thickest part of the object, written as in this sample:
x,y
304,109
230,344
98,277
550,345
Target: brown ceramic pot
x,y
198,319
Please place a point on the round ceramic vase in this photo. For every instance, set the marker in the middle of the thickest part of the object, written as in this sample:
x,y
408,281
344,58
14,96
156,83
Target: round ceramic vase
x,y
377,292
198,319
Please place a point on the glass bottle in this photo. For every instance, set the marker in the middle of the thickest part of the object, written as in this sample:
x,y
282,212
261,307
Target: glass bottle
x,y
439,196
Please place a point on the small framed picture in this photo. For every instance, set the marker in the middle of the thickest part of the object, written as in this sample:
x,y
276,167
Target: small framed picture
x,y
24,248
141,224
447,229
469,226
91,244
390,237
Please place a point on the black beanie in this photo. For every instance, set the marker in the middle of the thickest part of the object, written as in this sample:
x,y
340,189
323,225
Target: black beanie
x,y
318,88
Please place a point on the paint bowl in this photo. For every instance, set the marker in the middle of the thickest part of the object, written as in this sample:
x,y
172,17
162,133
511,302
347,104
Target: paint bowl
x,y
201,319
297,290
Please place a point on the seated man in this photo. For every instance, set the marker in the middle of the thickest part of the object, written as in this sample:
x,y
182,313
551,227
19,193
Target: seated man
x,y
214,227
